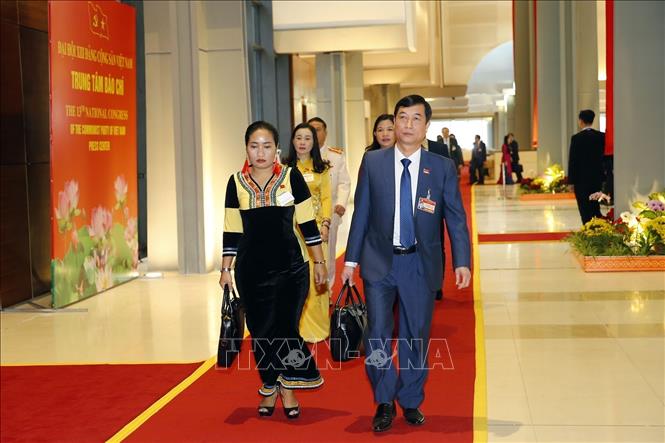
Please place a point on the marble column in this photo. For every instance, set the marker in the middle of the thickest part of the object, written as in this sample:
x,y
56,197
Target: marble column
x,y
585,50
556,121
522,61
639,100
187,138
330,95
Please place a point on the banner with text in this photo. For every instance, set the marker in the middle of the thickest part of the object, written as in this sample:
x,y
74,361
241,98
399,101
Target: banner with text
x,y
93,147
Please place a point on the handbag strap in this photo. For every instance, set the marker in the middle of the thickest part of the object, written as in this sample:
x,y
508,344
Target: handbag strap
x,y
358,305
341,293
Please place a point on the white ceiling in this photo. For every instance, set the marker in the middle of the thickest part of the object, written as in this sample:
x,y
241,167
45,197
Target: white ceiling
x,y
437,47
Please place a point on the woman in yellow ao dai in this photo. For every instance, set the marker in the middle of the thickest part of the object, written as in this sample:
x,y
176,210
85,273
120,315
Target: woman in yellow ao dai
x,y
304,154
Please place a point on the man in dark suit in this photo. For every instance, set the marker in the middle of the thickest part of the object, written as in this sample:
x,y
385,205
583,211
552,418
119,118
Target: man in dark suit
x,y
403,194
585,165
476,166
438,148
441,149
454,149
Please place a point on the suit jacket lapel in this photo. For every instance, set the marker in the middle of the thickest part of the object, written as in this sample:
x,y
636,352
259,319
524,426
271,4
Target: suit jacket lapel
x,y
389,181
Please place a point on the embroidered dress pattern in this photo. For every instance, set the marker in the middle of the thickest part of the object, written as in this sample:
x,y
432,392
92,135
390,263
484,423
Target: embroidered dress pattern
x,y
261,198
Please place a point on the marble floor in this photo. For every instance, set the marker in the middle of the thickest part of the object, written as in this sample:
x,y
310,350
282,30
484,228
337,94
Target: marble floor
x,y
571,357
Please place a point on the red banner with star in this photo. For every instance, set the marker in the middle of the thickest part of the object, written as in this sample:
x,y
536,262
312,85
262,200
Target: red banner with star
x,y
92,59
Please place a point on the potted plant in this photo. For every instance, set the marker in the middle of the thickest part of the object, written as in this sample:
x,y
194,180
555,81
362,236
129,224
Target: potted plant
x,y
552,185
634,242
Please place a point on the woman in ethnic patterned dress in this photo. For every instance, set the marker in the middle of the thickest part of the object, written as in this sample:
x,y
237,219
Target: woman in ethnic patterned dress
x,y
269,227
305,155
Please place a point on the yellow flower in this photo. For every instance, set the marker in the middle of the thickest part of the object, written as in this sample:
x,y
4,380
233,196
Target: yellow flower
x,y
596,227
657,225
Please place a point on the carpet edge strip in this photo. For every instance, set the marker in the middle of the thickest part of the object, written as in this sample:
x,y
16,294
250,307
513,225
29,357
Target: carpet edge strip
x,y
133,425
480,385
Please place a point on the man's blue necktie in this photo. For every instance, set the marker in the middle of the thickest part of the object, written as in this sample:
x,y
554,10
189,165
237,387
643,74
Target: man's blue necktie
x,y
407,235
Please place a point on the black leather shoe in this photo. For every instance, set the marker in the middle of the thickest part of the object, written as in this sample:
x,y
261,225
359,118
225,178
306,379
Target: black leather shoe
x,y
413,416
439,294
383,419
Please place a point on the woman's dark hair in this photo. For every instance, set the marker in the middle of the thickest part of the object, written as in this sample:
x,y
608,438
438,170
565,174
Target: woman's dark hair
x,y
412,100
505,139
375,143
251,129
320,164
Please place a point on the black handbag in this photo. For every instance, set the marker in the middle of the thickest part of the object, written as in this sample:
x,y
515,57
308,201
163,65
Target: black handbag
x,y
348,324
232,329
517,168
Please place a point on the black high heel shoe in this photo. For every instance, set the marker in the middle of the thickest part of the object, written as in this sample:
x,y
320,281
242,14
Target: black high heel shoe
x,y
267,411
291,413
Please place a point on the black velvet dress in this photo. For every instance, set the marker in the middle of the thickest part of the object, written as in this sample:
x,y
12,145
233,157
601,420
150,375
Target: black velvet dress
x,y
268,230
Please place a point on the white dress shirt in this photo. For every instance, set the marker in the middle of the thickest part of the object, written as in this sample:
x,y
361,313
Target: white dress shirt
x,y
414,167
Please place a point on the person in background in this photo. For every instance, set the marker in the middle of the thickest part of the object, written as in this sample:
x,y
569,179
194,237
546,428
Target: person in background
x,y
269,227
515,156
439,148
506,162
436,147
305,155
445,137
456,154
383,133
476,166
340,183
585,165
403,194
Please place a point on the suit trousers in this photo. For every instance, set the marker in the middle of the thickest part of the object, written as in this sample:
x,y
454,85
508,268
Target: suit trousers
x,y
405,281
588,208
476,172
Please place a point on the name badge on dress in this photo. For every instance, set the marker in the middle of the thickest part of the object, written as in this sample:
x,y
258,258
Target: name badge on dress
x,y
309,177
285,198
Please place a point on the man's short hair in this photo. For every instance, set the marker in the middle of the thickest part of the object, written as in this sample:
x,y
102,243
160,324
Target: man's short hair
x,y
319,120
587,116
477,136
412,100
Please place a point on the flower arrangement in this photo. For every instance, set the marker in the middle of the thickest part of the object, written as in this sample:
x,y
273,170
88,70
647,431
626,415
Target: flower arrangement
x,y
637,233
552,181
101,252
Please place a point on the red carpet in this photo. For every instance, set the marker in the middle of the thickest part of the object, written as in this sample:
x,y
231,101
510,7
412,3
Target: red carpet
x,y
221,405
93,402
522,237
79,403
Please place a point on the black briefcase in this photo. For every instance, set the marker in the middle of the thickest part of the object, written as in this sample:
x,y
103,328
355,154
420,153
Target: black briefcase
x,y
232,329
348,324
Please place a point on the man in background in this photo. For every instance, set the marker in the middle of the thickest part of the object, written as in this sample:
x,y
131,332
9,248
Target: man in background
x,y
478,157
585,165
453,148
340,182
